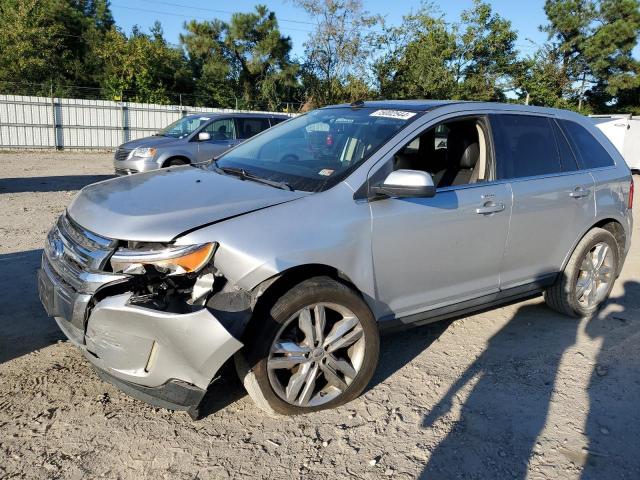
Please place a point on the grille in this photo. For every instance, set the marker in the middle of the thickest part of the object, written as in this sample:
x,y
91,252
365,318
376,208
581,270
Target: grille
x,y
74,252
122,153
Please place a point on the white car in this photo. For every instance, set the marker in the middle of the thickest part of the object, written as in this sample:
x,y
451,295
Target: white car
x,y
624,133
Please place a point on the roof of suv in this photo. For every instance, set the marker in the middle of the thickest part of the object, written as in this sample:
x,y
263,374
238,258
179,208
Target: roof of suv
x,y
239,114
418,105
426,105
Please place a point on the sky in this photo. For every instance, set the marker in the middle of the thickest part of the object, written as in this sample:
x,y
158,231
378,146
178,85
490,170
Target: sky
x,y
524,16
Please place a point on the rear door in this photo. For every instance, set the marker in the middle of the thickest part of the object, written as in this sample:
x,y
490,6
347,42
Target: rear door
x,y
553,200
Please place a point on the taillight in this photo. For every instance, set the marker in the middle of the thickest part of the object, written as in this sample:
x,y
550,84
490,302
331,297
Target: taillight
x,y
631,195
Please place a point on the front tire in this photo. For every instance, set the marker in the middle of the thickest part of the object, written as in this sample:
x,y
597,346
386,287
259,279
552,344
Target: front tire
x,y
317,349
588,278
175,162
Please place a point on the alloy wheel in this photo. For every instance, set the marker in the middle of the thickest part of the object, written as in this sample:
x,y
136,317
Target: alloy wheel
x,y
316,355
595,276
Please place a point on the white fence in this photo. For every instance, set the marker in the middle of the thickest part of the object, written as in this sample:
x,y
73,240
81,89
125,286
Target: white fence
x,y
67,123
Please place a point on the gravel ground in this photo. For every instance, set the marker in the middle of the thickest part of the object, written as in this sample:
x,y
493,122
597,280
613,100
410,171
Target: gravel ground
x,y
513,392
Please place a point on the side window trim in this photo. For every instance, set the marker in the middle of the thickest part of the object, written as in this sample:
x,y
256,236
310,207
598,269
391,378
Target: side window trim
x,y
557,130
362,193
236,122
572,145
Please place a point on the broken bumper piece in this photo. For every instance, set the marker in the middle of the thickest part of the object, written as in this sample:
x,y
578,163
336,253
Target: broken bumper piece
x,y
150,347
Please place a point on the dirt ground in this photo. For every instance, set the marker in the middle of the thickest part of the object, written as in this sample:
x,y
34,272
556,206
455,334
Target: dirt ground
x,y
514,392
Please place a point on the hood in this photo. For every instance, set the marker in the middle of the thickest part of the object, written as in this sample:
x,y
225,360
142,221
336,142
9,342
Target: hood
x,y
160,205
154,141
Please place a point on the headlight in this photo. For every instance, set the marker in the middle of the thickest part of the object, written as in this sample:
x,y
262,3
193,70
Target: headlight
x,y
143,152
176,260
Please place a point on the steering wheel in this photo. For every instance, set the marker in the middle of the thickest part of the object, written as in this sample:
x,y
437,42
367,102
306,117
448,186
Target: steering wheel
x,y
290,159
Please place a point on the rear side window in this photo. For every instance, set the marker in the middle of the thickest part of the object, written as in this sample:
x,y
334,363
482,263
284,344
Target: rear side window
x,y
568,160
592,154
525,146
248,127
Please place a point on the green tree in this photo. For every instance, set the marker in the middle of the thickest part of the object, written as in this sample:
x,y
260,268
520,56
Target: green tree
x,y
261,55
51,41
419,61
210,62
595,39
541,79
486,56
472,60
143,67
31,42
247,59
340,47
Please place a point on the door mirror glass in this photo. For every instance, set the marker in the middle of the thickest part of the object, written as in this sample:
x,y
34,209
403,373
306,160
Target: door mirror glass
x,y
406,183
204,136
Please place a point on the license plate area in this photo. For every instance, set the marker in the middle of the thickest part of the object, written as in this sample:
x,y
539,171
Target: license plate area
x,y
46,292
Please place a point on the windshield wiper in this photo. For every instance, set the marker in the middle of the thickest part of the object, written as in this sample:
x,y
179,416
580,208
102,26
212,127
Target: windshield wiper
x,y
242,174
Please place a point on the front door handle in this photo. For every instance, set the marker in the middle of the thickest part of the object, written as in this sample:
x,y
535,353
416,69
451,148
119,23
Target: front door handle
x,y
579,192
489,208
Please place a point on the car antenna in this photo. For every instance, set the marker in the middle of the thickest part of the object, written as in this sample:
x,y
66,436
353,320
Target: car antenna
x,y
357,104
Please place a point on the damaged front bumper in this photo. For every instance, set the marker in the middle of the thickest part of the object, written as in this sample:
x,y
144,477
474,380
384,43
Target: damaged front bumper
x,y
166,359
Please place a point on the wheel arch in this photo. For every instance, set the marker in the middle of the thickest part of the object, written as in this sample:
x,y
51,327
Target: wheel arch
x,y
184,158
270,290
614,227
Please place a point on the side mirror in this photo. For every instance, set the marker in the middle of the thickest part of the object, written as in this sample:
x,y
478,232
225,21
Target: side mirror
x,y
204,136
406,183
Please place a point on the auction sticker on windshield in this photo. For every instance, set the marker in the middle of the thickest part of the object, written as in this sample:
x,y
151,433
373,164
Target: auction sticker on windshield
x,y
397,114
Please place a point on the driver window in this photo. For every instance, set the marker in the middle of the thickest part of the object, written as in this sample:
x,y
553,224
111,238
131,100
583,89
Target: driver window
x,y
223,129
454,153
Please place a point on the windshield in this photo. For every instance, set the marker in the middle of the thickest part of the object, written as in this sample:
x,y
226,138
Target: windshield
x,y
315,151
184,127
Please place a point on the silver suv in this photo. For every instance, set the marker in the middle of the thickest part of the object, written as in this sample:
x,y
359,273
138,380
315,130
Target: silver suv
x,y
293,250
191,139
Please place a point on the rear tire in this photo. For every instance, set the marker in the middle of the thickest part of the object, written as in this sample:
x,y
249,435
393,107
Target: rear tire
x,y
588,278
290,365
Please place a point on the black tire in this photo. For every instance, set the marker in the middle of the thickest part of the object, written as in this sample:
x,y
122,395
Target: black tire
x,y
176,162
251,361
561,297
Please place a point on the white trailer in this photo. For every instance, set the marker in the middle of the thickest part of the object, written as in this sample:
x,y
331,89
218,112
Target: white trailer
x,y
624,133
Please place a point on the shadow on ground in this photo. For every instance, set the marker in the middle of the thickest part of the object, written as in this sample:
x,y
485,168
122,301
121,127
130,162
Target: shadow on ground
x,y
24,325
513,382
48,184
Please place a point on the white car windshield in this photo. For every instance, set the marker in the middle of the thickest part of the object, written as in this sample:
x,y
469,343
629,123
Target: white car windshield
x,y
315,151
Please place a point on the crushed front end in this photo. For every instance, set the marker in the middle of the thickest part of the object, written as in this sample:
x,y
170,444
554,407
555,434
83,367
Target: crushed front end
x,y
140,313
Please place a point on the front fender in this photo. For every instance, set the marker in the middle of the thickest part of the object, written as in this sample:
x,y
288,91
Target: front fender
x,y
329,229
163,156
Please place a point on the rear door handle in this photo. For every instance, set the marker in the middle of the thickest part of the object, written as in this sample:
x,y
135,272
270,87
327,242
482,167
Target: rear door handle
x,y
489,208
580,192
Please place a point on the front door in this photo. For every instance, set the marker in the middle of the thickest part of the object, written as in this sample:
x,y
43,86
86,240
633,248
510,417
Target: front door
x,y
223,137
432,252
